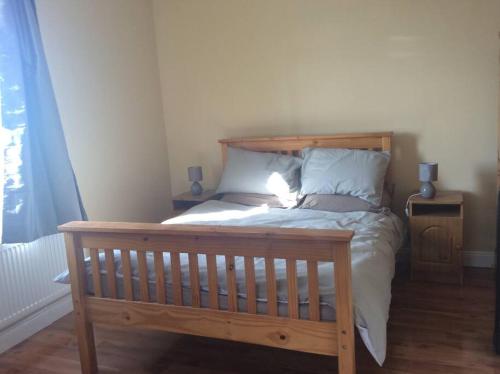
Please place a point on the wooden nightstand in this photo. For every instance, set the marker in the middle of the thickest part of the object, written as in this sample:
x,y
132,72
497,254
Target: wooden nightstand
x,y
436,229
186,200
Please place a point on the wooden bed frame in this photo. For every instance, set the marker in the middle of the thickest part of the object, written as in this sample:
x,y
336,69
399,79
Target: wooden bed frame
x,y
290,332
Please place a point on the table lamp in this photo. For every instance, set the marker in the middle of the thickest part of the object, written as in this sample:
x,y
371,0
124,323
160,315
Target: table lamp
x,y
195,175
427,173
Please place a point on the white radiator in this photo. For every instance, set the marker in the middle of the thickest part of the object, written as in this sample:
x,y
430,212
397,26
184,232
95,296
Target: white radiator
x,y
26,273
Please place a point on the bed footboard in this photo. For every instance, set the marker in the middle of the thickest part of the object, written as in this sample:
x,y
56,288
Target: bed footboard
x,y
290,332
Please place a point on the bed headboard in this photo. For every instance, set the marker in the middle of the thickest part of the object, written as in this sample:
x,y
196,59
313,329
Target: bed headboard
x,y
292,145
376,141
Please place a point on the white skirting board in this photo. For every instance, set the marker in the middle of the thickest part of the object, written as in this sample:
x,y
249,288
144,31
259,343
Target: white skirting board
x,y
479,259
30,325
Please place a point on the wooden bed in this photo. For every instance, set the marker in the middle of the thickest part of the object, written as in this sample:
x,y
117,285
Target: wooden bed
x,y
290,332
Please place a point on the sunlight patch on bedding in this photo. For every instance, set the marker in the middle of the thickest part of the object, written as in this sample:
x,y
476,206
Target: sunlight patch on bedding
x,y
224,215
277,185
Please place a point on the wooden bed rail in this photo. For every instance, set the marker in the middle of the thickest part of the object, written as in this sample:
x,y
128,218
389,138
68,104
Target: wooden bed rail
x,y
111,304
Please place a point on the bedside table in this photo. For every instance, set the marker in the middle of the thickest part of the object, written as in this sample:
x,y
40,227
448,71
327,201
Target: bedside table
x,y
436,230
186,200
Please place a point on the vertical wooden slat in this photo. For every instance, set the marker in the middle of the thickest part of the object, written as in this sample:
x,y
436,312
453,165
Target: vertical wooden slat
x,y
213,297
143,275
345,324
111,274
232,296
293,295
272,302
250,282
127,275
161,295
194,278
84,330
96,272
313,290
175,263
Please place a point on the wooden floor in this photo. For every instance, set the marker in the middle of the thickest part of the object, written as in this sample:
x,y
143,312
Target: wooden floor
x,y
432,329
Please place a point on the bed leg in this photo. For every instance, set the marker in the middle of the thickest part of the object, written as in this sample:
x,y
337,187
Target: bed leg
x,y
84,329
86,346
345,324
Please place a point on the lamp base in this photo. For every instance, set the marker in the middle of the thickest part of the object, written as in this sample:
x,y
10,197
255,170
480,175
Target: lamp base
x,y
196,189
427,190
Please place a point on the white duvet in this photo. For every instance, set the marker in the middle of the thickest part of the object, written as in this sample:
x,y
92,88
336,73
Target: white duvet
x,y
377,237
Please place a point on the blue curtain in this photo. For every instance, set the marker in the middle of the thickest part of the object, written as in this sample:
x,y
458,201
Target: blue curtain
x,y
39,189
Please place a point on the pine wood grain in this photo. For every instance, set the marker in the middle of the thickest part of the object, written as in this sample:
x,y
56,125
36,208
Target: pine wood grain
x,y
84,328
374,140
300,335
232,293
175,264
127,275
250,285
194,277
143,275
313,290
253,232
436,227
344,311
213,298
161,292
272,300
273,245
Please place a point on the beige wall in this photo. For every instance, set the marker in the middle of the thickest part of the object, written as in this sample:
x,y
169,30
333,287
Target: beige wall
x,y
102,58
427,70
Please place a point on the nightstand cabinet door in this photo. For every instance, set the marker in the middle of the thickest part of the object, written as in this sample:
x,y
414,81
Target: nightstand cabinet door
x,y
437,248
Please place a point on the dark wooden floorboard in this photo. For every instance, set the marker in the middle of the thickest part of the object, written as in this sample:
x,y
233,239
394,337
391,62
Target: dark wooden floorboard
x,y
432,329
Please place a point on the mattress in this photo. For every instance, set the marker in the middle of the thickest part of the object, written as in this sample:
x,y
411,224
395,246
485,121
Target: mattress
x,y
377,237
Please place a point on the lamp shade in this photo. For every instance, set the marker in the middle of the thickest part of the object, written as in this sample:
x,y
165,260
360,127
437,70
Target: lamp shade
x,y
195,173
428,171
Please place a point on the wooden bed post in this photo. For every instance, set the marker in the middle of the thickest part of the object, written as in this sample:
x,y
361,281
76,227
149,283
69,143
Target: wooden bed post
x,y
343,304
84,330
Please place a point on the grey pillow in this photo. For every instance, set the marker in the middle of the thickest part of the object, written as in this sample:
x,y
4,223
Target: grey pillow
x,y
343,203
260,173
254,199
339,171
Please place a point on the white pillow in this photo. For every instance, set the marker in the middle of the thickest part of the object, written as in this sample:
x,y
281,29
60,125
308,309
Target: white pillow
x,y
260,173
344,172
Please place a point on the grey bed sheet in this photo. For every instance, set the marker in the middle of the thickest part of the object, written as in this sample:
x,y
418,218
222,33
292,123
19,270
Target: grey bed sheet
x,y
327,311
